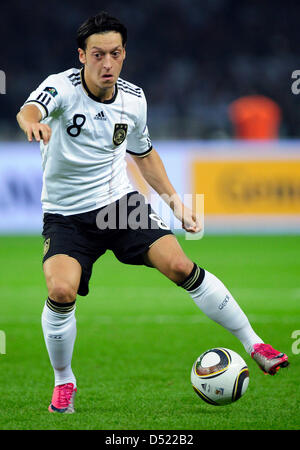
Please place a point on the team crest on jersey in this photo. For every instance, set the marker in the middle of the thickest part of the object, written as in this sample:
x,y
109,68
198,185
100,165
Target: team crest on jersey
x,y
51,91
120,133
46,246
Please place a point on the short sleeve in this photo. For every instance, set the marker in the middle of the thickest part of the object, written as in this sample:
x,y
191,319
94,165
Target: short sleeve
x,y
47,97
138,141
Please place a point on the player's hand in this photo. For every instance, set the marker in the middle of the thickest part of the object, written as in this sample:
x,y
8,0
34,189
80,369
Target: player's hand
x,y
38,131
190,220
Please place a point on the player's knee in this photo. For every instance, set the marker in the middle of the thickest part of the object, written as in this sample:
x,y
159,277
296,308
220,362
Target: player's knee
x,y
62,292
180,268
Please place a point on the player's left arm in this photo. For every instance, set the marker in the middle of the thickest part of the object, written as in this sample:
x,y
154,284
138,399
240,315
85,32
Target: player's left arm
x,y
154,172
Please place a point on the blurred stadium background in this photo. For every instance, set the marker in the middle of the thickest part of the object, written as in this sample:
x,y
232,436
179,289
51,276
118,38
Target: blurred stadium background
x,y
194,59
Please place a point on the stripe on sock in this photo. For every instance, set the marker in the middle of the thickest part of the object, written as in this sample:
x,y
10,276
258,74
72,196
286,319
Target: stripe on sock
x,y
62,308
194,279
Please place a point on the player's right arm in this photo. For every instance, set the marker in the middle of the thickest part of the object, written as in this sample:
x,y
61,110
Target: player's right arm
x,y
29,118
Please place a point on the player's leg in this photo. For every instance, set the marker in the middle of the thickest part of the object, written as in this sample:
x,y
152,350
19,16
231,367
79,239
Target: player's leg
x,y
62,274
166,255
207,291
212,297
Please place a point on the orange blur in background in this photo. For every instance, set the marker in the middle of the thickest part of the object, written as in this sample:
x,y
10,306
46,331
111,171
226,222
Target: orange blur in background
x,y
255,117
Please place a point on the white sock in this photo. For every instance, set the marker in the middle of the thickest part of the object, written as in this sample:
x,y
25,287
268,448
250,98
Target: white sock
x,y
217,303
60,332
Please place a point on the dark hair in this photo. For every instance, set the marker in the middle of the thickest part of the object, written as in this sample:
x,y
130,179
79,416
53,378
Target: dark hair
x,y
100,23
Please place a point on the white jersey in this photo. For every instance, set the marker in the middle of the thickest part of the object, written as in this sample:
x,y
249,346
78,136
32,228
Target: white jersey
x,y
84,164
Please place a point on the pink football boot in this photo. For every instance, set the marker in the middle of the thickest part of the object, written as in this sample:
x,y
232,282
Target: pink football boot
x,y
63,399
269,359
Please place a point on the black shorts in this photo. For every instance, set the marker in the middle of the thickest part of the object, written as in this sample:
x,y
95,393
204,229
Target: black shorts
x,y
128,227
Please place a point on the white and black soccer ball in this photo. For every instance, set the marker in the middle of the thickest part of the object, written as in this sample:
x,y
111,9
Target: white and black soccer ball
x,y
220,376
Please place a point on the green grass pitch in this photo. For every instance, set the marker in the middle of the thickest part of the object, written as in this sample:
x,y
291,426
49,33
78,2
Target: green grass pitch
x,y
138,336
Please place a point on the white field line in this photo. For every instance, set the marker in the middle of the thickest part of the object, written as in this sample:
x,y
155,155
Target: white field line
x,y
286,294
158,319
181,319
290,293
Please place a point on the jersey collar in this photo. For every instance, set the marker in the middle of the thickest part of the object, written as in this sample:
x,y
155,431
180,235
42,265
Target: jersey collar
x,y
92,96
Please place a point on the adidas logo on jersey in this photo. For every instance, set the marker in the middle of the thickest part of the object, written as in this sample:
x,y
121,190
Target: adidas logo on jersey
x,y
100,116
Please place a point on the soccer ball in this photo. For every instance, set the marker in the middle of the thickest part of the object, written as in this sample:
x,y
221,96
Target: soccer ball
x,y
220,376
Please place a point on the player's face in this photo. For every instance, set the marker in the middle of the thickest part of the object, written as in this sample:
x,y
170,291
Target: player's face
x,y
103,60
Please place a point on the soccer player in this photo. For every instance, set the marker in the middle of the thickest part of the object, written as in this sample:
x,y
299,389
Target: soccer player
x,y
86,120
